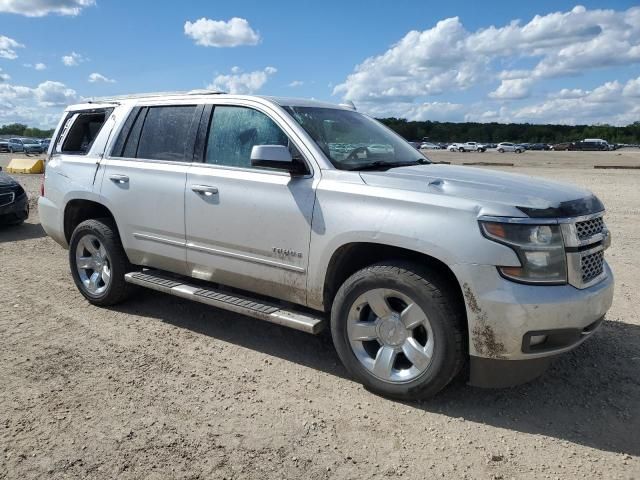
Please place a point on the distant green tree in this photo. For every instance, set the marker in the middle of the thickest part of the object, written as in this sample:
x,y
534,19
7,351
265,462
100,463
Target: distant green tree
x,y
22,130
510,132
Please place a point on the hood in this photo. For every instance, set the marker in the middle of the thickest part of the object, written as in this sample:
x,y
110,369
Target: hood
x,y
6,180
533,196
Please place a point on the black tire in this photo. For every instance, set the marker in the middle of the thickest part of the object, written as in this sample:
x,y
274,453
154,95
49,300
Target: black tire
x,y
431,292
461,149
518,150
105,230
501,150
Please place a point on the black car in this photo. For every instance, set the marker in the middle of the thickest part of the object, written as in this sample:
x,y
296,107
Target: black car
x,y
14,203
589,146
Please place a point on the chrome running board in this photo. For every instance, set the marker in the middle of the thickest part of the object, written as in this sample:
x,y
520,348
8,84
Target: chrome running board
x,y
157,280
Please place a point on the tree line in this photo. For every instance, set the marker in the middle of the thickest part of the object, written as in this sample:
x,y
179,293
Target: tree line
x,y
510,132
22,130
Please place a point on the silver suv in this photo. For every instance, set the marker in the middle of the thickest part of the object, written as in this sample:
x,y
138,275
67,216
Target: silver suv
x,y
308,214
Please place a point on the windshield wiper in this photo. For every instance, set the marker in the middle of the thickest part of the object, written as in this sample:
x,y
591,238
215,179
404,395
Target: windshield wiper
x,y
382,166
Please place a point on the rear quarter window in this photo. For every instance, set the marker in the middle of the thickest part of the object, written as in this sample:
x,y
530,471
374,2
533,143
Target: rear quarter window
x,y
80,131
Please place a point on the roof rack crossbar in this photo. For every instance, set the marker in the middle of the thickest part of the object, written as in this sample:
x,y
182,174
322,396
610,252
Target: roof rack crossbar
x,y
116,98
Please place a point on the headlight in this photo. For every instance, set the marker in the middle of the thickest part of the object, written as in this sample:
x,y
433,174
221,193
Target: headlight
x,y
540,249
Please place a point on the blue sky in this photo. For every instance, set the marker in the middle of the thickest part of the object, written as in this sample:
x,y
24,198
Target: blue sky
x,y
543,61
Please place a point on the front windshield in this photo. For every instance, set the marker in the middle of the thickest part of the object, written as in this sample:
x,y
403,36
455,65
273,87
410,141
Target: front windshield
x,y
352,141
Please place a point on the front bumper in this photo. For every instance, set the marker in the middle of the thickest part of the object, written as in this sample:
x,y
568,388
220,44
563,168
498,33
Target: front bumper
x,y
16,211
503,316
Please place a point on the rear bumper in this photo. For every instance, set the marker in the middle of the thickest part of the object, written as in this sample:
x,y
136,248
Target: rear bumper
x,y
51,220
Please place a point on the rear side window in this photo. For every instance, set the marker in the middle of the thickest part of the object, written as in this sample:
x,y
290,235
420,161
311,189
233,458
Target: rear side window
x,y
81,130
165,133
235,130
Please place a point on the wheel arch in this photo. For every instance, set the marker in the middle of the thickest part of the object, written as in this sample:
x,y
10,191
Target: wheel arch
x,y
351,257
78,210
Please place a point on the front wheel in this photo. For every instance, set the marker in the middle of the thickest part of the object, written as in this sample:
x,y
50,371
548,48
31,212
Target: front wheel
x,y
399,330
98,262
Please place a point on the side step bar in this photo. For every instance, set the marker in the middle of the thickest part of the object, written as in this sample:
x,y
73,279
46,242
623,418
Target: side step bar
x,y
273,313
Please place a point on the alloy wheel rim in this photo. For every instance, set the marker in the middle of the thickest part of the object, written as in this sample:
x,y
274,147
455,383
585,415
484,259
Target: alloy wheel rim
x,y
390,335
93,265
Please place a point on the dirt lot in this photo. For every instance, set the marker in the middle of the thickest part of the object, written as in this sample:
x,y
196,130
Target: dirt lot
x,y
163,388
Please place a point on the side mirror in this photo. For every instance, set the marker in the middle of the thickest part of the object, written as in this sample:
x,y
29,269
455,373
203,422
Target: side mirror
x,y
278,157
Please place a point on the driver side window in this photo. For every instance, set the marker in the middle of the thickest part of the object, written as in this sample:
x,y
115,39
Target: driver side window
x,y
233,133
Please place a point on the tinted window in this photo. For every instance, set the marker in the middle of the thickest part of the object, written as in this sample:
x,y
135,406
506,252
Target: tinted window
x,y
165,133
131,145
235,130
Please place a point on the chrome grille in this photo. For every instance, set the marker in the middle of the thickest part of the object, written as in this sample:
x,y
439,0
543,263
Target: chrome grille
x,y
589,228
6,198
586,238
592,266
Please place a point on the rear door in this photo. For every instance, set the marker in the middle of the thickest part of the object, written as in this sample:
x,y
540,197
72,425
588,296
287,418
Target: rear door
x,y
144,182
247,227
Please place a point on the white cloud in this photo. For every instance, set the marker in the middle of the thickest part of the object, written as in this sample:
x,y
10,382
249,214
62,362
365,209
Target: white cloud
x,y
513,89
8,47
37,66
40,8
38,106
73,59
54,94
421,63
632,88
98,77
218,33
242,83
296,83
613,103
4,77
448,58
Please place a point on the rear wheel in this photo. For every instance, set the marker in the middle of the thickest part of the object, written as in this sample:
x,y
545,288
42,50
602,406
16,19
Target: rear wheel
x,y
501,150
98,262
398,330
518,150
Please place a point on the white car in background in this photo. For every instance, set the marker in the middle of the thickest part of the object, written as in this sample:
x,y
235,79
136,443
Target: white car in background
x,y
429,146
509,147
467,147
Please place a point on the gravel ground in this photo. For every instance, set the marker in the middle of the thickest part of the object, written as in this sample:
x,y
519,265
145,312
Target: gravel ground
x,y
163,388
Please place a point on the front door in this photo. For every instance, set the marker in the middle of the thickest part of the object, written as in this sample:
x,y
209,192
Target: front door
x,y
247,227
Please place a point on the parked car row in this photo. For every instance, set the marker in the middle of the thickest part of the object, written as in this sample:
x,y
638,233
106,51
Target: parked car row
x,y
588,144
25,145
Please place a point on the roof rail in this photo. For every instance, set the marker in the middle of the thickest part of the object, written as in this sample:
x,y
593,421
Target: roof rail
x,y
117,98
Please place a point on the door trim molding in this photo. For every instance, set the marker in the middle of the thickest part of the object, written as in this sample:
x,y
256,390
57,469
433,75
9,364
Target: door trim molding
x,y
154,238
245,257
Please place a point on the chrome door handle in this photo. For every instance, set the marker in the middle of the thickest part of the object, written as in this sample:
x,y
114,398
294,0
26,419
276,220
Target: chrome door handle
x,y
205,190
119,178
